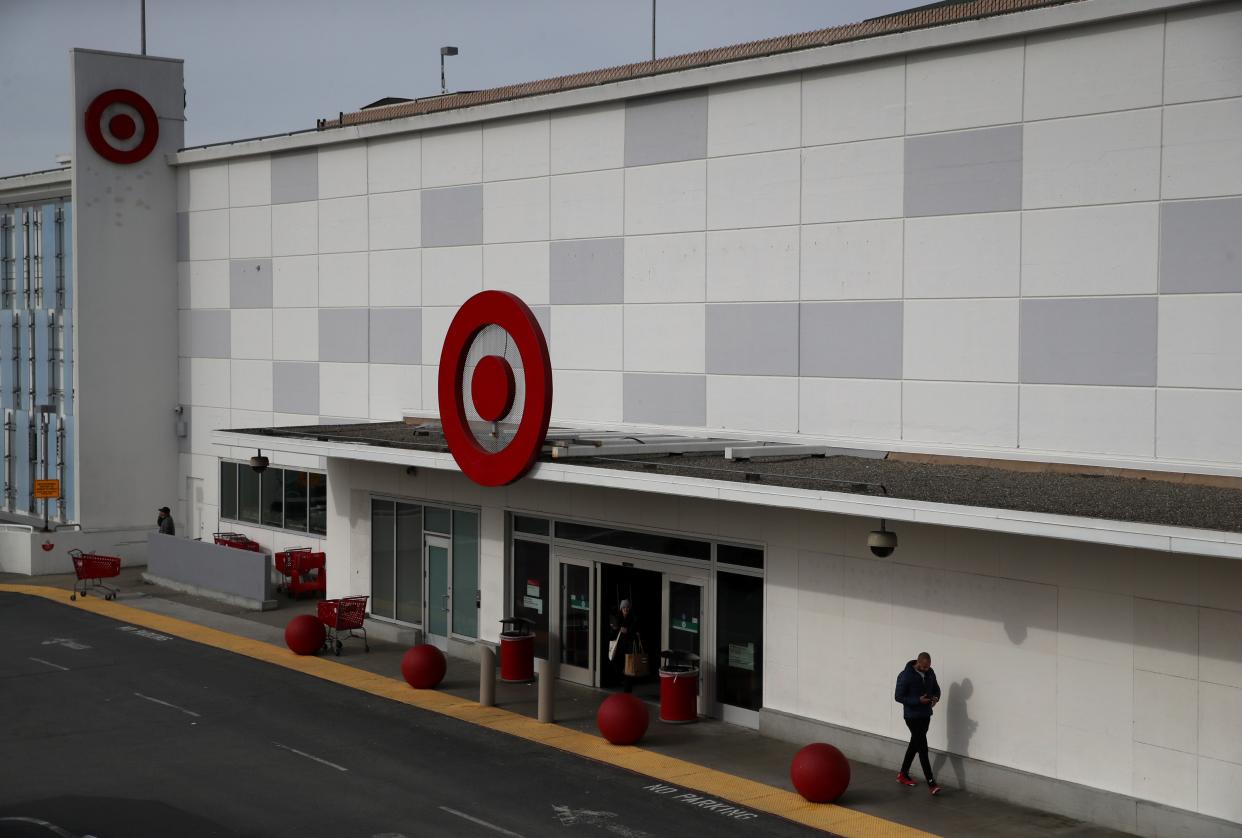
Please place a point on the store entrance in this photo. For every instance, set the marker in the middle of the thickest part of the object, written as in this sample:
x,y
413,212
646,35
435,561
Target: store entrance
x,y
644,590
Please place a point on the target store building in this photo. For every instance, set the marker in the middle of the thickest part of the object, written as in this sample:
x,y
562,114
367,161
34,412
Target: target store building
x,y
916,334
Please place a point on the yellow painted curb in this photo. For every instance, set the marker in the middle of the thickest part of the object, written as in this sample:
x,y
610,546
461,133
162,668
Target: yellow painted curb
x,y
755,796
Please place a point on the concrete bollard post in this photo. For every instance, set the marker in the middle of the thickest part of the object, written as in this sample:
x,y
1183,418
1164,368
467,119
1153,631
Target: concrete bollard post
x,y
487,676
543,671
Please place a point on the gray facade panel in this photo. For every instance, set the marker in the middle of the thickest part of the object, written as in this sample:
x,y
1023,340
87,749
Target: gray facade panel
x,y
343,334
250,283
666,129
295,177
587,271
396,335
544,315
211,333
1201,246
295,387
964,171
851,340
665,399
1089,341
752,339
452,216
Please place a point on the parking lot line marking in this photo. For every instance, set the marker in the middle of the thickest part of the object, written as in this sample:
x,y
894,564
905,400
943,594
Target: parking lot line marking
x,y
828,817
166,704
49,663
473,819
311,756
50,827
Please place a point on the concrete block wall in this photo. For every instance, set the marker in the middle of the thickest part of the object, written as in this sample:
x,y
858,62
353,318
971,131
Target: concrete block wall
x,y
1021,245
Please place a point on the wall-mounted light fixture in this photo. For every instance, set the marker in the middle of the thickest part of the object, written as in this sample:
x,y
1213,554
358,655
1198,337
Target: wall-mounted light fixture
x,y
259,462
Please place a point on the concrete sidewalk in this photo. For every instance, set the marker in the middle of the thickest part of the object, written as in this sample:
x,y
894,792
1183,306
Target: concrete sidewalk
x,y
733,750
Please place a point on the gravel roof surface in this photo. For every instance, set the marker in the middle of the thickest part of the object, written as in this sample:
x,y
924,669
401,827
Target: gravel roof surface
x,y
1089,495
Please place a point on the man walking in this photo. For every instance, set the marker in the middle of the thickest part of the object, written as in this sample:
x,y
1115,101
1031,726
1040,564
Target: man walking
x,y
917,692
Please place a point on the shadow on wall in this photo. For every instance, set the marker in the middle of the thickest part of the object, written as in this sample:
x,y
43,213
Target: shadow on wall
x,y
959,728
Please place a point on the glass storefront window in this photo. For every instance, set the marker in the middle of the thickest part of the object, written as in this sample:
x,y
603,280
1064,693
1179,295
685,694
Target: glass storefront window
x,y
739,640
317,502
437,520
532,526
272,489
228,490
576,615
409,557
740,556
646,542
465,572
248,506
383,551
530,589
295,500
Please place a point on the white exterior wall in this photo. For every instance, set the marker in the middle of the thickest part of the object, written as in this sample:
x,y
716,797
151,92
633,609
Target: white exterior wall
x,y
802,250
1113,668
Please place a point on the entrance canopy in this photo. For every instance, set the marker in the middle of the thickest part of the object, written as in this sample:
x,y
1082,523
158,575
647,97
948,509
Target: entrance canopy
x,y
1179,513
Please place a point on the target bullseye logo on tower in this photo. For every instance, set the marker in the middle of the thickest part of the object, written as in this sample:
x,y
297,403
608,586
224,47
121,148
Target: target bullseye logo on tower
x,y
121,126
496,352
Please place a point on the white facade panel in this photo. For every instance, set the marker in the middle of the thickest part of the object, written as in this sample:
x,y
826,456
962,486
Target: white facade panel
x,y
516,148
665,269
855,102
961,340
207,187
342,170
963,255
394,388
1090,250
964,87
850,407
665,338
394,219
587,337
396,278
208,382
958,413
295,281
1202,59
344,390
451,275
758,265
1202,149
521,269
753,190
209,284
1199,425
1112,420
763,115
859,260
295,229
295,334
1092,160
594,396
250,385
515,211
588,139
744,402
667,198
588,205
252,333
453,156
250,182
343,225
394,164
852,182
343,280
1200,341
250,232
1123,61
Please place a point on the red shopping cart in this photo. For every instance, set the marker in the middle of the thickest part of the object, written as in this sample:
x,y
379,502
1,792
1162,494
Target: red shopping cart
x,y
91,570
238,540
284,562
308,573
343,619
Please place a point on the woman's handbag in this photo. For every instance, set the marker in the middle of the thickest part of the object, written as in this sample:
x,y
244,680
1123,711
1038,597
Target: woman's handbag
x,y
612,647
636,664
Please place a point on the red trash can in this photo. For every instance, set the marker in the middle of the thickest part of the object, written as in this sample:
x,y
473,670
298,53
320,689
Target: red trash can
x,y
517,650
679,687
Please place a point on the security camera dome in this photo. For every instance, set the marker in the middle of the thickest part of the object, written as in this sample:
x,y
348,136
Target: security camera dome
x,y
882,542
259,463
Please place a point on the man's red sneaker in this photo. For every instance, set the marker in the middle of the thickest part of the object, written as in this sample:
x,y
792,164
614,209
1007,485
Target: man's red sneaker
x,y
906,781
933,788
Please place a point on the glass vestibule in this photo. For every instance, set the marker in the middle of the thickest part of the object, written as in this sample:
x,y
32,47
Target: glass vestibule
x,y
425,567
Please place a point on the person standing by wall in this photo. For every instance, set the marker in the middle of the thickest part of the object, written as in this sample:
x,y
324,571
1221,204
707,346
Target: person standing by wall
x,y
165,522
918,692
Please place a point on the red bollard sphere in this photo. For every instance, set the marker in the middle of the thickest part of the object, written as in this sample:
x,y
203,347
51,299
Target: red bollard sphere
x,y
304,635
820,773
622,719
423,666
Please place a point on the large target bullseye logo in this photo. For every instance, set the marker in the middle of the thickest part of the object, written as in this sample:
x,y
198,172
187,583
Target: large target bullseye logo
x,y
495,388
122,126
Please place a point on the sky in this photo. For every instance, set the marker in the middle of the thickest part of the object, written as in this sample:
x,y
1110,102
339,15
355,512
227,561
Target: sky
x,y
256,67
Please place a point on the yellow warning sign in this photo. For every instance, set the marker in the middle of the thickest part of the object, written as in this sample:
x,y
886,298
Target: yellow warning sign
x,y
46,489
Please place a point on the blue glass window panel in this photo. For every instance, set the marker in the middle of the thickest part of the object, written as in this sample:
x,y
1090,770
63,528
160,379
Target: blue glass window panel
x,y
21,460
42,345
6,359
49,256
21,345
68,254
